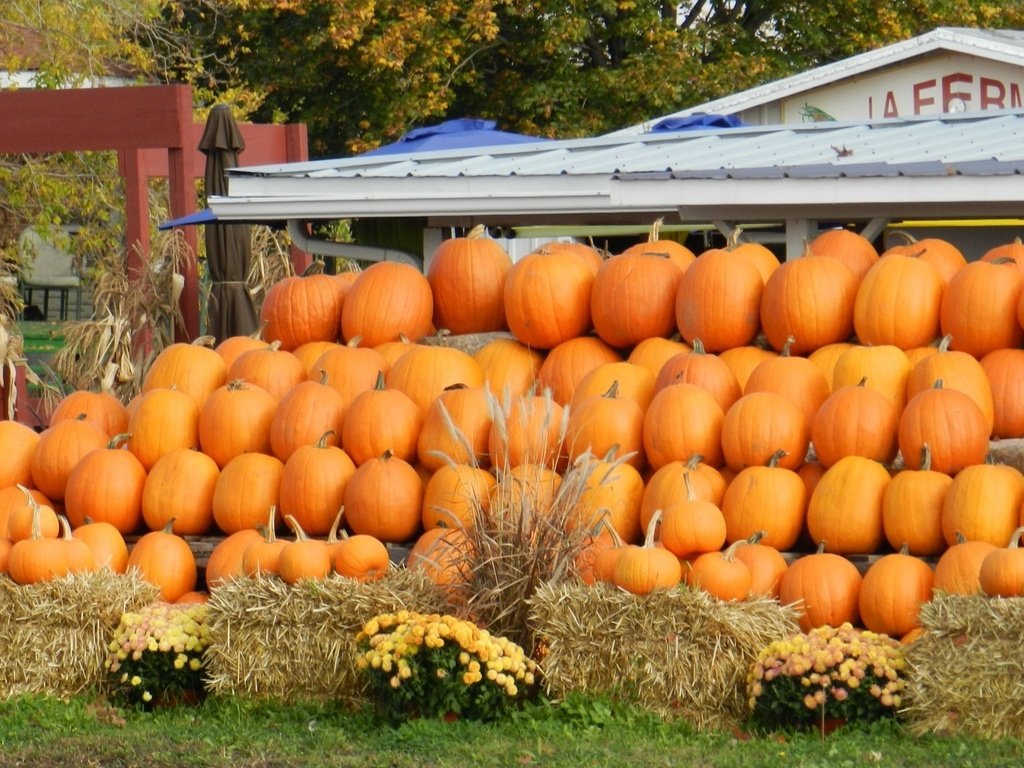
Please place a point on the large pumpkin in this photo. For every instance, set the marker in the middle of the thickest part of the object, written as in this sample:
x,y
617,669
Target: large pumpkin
x,y
810,300
165,560
794,377
633,298
193,368
467,278
719,300
384,498
845,509
162,421
59,449
824,587
681,421
547,298
1004,369
570,361
769,500
509,367
952,425
456,428
307,412
912,508
983,503
381,419
388,299
599,423
979,307
855,420
246,487
942,254
760,424
851,248
179,490
956,370
104,409
892,592
106,485
17,441
313,483
236,419
697,366
271,368
884,367
1002,570
898,302
424,372
300,309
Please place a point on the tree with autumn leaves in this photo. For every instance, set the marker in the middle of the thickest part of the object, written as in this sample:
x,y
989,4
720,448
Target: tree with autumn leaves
x,y
361,73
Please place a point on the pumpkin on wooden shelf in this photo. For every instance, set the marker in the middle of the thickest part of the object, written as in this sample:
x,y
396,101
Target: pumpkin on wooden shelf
x,y
958,570
245,488
361,557
225,560
979,307
308,410
898,302
633,298
180,486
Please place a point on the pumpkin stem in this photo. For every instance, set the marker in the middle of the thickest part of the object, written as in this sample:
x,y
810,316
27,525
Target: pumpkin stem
x,y
477,232
65,528
691,494
605,521
271,534
776,457
698,347
332,537
756,536
169,526
651,528
729,555
944,342
655,233
379,384
316,267
300,535
926,457
1015,538
118,440
613,390
322,442
788,345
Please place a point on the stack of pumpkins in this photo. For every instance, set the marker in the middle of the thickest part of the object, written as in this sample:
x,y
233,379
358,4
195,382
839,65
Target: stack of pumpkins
x,y
837,404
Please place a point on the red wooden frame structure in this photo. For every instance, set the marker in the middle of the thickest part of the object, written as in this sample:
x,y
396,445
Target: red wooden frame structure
x,y
151,129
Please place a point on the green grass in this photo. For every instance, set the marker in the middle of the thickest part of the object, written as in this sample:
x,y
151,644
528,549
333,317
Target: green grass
x,y
45,732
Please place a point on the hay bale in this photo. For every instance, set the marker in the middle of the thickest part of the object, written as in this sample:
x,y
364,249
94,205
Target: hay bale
x,y
965,673
681,653
54,635
272,640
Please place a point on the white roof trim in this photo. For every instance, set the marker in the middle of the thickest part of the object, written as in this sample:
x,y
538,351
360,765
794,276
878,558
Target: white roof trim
x,y
999,45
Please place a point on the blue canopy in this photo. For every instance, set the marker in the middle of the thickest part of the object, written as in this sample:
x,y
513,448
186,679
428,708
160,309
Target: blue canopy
x,y
696,122
460,133
204,216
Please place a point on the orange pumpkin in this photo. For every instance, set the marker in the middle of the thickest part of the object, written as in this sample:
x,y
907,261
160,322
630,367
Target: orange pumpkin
x,y
108,547
956,370
424,372
851,248
892,592
17,441
456,428
530,430
508,366
952,425
855,420
983,502
845,509
455,494
263,557
102,408
771,500
162,421
304,557
898,302
381,419
599,423
761,423
106,485
313,484
303,308
633,298
825,588
308,410
810,300
1002,570
722,574
654,352
767,565
59,448
1004,369
979,307
547,297
165,560
388,299
569,362
942,254
180,487
193,368
37,558
384,498
236,419
362,557
719,300
225,560
467,278
796,378
681,421
696,366
691,525
246,487
912,508
958,570
643,568
271,368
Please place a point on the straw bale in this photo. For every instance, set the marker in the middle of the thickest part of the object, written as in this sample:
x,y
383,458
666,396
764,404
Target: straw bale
x,y
966,673
681,653
272,640
54,635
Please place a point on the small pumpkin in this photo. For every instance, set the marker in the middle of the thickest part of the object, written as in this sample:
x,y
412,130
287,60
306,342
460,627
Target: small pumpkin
x,y
722,574
303,557
892,592
262,557
1002,570
825,587
641,569
165,560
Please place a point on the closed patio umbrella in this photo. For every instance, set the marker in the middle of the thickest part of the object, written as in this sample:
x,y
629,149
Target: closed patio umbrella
x,y
231,310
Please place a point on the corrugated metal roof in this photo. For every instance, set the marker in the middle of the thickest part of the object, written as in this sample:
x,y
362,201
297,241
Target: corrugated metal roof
x,y
965,165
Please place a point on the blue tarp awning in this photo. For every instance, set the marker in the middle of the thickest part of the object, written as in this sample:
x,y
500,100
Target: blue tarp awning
x,y
204,216
460,133
696,122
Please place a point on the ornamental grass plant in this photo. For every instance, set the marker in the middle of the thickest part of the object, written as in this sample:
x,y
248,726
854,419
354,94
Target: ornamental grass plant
x,y
433,665
826,675
156,654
